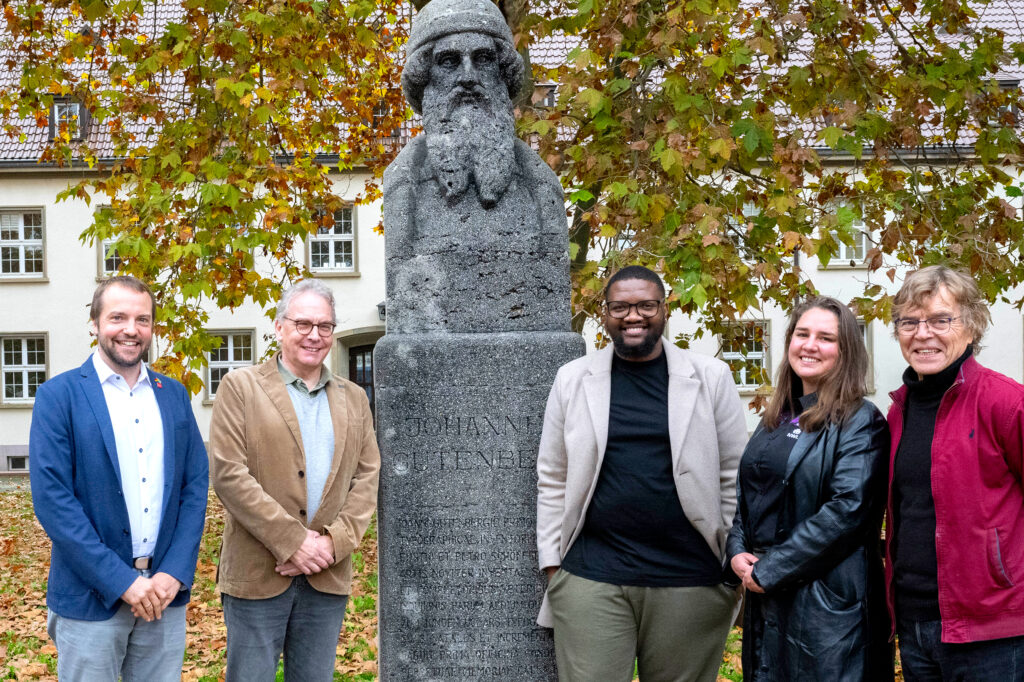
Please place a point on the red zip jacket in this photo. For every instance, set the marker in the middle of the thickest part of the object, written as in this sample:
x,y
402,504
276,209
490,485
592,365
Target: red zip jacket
x,y
977,460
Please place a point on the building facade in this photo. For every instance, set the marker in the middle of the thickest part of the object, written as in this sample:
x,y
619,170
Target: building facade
x,y
47,275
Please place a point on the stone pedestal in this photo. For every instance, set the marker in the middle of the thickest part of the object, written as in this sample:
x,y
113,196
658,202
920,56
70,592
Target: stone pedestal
x,y
459,420
478,323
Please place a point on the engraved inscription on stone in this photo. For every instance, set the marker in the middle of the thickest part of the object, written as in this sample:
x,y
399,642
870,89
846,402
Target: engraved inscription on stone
x,y
460,454
460,570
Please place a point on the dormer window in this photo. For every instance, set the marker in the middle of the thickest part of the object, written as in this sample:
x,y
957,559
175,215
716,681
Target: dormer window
x,y
1009,115
68,117
546,95
380,113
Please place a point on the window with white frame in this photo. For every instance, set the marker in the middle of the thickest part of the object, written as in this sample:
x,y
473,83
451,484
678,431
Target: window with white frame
x,y
21,244
17,462
746,353
110,262
381,112
333,247
548,95
67,116
738,226
236,350
22,367
854,254
1008,114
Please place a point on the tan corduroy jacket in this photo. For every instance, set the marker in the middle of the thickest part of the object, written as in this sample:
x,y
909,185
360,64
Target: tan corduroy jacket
x,y
257,467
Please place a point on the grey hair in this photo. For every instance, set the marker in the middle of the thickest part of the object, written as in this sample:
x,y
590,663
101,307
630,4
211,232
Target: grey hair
x,y
921,285
306,286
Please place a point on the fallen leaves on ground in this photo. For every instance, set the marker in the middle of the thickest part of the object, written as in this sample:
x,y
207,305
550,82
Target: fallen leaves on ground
x,y
26,652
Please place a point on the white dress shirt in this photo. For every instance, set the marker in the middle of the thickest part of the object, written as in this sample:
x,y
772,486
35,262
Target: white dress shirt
x,y
139,436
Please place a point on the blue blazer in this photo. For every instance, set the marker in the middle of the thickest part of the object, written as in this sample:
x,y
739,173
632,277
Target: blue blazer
x,y
76,491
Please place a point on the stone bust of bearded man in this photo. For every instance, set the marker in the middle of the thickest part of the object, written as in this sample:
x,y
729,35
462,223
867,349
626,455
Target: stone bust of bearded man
x,y
474,222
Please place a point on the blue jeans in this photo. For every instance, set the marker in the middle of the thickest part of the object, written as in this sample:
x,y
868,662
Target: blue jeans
x,y
301,622
926,658
122,646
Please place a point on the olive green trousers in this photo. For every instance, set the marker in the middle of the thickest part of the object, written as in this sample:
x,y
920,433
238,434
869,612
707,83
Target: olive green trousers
x,y
673,634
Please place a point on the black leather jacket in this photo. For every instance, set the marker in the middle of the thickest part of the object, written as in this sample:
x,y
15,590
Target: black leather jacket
x,y
823,614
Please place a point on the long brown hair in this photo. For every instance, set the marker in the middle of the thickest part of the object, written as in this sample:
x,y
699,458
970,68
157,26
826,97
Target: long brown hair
x,y
840,391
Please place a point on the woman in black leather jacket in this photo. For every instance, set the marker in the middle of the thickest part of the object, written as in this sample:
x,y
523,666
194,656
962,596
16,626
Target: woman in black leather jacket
x,y
805,540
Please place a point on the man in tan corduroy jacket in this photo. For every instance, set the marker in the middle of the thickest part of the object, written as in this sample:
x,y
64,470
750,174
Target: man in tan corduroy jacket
x,y
294,459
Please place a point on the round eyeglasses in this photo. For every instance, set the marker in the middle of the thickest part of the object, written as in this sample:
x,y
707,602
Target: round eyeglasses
x,y
305,326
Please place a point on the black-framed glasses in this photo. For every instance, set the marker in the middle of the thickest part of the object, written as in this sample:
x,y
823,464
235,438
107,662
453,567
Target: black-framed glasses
x,y
907,326
619,309
305,326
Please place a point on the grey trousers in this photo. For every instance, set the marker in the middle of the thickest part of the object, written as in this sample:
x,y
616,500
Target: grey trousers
x,y
122,646
302,623
674,634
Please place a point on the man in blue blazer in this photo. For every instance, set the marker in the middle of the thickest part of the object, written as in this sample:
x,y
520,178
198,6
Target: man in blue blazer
x,y
119,482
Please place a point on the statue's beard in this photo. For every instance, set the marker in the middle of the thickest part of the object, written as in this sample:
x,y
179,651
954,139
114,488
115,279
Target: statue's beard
x,y
470,136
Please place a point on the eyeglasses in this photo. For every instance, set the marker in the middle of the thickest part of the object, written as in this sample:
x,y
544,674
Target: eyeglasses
x,y
305,326
620,309
907,326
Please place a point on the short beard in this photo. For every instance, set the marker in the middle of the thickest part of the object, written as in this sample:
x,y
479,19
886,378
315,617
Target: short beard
x,y
110,350
642,350
470,137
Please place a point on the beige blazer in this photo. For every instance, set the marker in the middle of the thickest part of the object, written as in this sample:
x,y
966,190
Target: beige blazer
x,y
257,467
707,431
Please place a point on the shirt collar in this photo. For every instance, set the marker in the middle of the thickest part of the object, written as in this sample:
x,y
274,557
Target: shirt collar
x,y
291,379
105,372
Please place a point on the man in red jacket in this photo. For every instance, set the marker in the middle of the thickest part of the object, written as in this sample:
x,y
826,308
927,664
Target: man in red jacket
x,y
955,546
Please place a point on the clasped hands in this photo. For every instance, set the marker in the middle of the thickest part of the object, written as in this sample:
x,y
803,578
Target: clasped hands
x,y
314,555
743,566
148,597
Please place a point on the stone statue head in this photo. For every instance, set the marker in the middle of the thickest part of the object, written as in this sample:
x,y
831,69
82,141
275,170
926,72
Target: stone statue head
x,y
443,18
461,75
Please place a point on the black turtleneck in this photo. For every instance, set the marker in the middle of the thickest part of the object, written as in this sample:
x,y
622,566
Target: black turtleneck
x,y
914,559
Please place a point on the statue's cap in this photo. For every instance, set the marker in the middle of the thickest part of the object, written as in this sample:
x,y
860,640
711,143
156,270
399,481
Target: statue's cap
x,y
440,18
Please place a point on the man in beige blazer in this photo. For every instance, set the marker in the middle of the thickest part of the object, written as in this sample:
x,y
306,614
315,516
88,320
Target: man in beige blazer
x,y
294,460
636,494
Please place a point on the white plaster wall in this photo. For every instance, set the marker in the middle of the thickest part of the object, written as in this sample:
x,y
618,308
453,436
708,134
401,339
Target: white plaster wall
x,y
59,304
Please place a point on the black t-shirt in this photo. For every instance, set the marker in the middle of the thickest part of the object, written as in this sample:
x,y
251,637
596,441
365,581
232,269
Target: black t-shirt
x,y
762,470
914,560
635,532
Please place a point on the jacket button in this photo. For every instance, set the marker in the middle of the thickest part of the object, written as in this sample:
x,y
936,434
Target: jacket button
x,y
125,531
302,512
301,473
